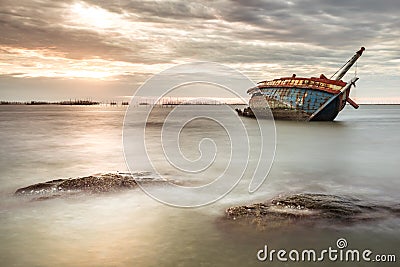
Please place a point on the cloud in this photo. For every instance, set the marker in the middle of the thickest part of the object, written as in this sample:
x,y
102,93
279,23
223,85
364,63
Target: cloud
x,y
26,27
154,31
262,38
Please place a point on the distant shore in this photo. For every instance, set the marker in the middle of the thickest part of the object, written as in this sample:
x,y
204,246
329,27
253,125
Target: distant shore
x,y
112,103
125,103
67,103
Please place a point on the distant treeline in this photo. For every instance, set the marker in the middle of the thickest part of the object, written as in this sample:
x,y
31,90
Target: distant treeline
x,y
68,102
165,103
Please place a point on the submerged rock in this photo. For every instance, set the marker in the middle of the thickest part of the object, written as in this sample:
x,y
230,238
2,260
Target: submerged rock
x,y
109,182
309,208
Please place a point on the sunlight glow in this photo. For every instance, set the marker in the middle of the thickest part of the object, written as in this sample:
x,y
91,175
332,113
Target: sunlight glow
x,y
45,62
94,16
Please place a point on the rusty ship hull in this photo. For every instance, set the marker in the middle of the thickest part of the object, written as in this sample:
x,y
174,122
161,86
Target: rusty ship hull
x,y
308,99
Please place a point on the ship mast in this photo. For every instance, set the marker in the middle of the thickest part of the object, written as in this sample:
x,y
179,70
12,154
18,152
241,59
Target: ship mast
x,y
343,70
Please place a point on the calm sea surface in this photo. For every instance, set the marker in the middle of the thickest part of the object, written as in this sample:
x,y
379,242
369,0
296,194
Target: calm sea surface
x,y
357,155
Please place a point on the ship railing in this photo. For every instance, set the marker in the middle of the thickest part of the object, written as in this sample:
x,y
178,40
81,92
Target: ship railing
x,y
336,89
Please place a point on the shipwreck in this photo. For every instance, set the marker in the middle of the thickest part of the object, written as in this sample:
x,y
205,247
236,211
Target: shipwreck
x,y
306,99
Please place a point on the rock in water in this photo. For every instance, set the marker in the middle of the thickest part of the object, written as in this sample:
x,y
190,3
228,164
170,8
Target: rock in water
x,y
110,182
309,208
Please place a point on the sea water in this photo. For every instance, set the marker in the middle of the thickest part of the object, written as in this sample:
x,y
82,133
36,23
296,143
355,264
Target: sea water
x,y
356,155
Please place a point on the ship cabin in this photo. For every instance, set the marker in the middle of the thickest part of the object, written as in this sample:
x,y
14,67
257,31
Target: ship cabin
x,y
322,83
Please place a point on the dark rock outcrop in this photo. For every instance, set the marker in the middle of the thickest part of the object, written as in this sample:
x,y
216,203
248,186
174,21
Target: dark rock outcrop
x,y
110,182
309,208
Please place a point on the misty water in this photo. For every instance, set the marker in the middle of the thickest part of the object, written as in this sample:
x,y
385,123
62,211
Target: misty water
x,y
357,155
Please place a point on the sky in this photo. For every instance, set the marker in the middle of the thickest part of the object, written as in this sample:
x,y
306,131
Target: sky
x,y
104,50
